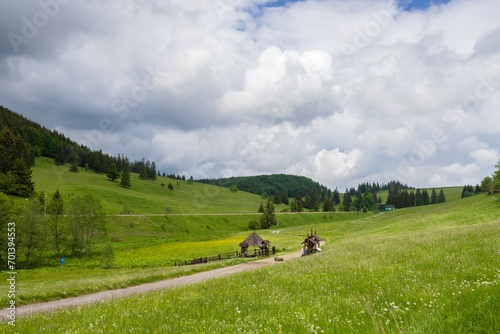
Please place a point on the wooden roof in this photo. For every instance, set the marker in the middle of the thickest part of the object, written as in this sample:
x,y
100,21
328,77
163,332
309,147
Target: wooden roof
x,y
318,238
254,241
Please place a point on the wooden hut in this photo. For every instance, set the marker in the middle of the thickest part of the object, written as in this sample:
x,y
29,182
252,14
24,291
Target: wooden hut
x,y
312,243
254,240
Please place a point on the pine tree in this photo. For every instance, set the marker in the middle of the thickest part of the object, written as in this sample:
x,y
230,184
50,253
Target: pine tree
x,y
298,202
74,161
425,197
143,174
441,198
277,198
261,208
284,198
434,199
347,201
23,185
327,205
61,155
268,217
125,180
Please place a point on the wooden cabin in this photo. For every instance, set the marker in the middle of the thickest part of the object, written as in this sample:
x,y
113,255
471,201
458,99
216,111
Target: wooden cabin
x,y
312,243
254,240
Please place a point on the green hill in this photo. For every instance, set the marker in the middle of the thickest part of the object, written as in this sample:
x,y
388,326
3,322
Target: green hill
x,y
268,185
145,196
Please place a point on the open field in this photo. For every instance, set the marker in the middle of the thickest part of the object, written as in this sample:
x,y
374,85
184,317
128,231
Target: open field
x,y
144,252
145,196
419,270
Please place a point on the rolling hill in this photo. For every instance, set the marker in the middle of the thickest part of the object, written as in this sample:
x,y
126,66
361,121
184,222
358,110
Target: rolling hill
x,y
145,196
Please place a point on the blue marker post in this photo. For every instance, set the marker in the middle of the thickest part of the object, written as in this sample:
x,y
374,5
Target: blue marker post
x,y
62,262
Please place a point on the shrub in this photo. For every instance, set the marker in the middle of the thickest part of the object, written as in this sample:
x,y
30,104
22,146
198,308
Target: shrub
x,y
254,225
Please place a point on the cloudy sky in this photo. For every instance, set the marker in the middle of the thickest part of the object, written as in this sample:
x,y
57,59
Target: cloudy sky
x,y
341,91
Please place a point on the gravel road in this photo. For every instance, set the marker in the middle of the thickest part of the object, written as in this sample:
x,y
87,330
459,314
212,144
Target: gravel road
x,y
165,284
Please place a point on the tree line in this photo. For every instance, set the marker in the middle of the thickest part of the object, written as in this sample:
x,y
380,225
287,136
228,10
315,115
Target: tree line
x,y
48,227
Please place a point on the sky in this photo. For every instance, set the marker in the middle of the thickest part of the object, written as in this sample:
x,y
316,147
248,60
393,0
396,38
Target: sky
x,y
343,92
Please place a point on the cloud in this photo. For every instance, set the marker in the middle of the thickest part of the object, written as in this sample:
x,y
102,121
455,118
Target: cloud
x,y
485,157
224,88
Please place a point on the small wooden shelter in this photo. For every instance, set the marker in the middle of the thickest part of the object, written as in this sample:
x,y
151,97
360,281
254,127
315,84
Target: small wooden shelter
x,y
254,241
312,243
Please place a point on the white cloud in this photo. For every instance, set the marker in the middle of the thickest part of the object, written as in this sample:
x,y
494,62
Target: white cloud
x,y
244,93
485,157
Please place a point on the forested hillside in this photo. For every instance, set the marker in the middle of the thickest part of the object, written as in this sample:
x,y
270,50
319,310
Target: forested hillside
x,y
269,185
26,139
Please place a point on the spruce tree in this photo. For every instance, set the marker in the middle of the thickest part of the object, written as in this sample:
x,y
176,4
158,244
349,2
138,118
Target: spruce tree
x,y
277,198
74,161
268,217
23,185
327,205
440,197
61,155
298,202
284,198
347,201
125,180
434,199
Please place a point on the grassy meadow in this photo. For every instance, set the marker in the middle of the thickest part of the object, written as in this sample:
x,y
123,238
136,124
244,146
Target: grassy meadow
x,y
433,269
146,252
145,196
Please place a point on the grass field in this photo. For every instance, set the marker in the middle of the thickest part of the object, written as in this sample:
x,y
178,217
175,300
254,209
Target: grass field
x,y
429,269
144,252
145,196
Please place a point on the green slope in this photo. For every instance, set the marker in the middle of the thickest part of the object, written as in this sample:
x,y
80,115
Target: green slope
x,y
431,269
145,196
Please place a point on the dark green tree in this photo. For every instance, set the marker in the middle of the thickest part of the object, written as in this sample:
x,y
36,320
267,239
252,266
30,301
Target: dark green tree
x,y
23,185
347,201
143,174
268,217
328,205
74,161
125,180
277,198
434,199
61,155
170,187
113,173
284,198
425,197
261,208
441,197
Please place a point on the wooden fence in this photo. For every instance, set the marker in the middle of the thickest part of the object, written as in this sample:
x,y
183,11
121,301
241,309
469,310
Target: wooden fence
x,y
226,256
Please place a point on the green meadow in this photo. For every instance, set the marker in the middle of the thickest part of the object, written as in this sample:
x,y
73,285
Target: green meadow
x,y
432,269
145,196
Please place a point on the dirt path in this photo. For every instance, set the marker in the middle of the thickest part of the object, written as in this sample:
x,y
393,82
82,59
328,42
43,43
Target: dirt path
x,y
119,293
